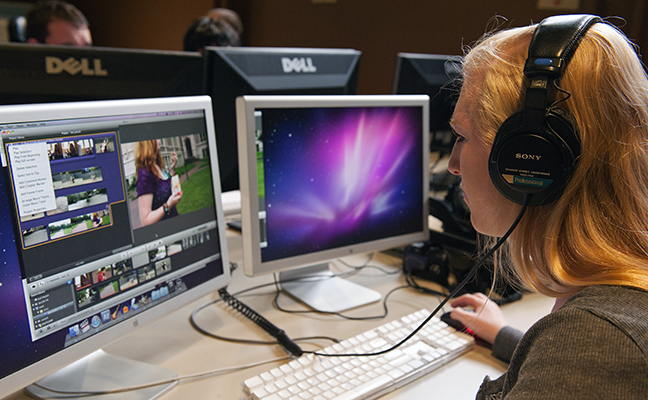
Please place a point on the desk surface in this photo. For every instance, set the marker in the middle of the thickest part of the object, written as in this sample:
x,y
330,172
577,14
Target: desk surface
x,y
171,342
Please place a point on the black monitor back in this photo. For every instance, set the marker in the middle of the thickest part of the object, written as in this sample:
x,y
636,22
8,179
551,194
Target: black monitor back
x,y
43,74
438,77
231,72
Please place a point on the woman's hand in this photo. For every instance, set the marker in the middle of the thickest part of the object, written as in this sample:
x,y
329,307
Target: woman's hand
x,y
148,216
485,317
174,199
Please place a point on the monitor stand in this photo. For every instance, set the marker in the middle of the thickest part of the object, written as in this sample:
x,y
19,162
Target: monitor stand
x,y
317,287
101,371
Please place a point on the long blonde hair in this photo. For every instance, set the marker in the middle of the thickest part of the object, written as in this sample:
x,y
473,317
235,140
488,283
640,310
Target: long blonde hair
x,y
596,233
147,156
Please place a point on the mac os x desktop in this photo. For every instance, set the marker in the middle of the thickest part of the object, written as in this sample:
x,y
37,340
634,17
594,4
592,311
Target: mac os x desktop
x,y
324,177
82,265
438,77
231,72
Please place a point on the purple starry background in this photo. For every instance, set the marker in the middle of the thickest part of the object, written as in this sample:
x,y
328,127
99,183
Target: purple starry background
x,y
340,176
16,347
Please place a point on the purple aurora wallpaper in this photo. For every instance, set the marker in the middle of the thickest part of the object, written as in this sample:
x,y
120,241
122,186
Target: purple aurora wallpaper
x,y
334,177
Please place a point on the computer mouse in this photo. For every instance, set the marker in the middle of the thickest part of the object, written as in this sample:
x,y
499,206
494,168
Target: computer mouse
x,y
462,328
456,324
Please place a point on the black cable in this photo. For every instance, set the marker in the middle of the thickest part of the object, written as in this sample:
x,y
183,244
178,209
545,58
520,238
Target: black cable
x,y
411,281
194,324
340,275
285,342
354,270
276,305
367,265
469,275
295,350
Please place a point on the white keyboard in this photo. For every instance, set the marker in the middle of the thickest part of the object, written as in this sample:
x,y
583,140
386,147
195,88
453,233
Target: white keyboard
x,y
365,377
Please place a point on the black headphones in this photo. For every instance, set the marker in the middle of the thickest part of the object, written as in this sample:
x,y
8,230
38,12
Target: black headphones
x,y
536,150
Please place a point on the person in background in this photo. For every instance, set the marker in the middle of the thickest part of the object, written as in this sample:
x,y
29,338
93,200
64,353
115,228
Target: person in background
x,y
57,22
588,248
206,31
228,16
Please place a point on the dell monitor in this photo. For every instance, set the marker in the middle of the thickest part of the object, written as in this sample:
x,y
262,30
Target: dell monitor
x,y
438,76
324,177
34,73
231,72
82,263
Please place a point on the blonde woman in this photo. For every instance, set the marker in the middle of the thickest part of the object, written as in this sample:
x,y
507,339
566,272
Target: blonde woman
x,y
588,248
155,198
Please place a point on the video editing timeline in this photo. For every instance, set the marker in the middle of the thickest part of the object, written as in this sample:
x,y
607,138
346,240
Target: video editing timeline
x,y
86,258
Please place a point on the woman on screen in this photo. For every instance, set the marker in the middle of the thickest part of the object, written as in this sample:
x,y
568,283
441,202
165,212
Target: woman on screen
x,y
73,151
155,198
587,248
58,152
96,220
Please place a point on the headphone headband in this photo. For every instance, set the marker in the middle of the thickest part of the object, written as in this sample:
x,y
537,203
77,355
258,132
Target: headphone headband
x,y
550,57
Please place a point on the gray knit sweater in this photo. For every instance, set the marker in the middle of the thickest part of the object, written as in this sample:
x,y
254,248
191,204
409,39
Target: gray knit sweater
x,y
594,347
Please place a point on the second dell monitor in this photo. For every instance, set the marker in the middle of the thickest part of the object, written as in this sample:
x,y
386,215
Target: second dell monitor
x,y
231,72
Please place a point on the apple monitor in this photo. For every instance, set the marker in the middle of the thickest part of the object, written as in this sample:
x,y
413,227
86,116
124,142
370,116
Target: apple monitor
x,y
93,243
324,177
438,77
231,72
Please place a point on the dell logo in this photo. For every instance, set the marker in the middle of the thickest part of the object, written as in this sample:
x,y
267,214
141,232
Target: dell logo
x,y
303,64
54,65
528,157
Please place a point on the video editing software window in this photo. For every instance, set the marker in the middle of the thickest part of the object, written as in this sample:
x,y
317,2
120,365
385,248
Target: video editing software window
x,y
79,190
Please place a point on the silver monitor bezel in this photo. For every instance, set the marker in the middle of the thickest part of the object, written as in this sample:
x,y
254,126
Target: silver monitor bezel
x,y
245,108
58,111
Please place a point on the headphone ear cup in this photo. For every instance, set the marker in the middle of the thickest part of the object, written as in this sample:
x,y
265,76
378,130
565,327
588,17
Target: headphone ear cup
x,y
536,150
532,160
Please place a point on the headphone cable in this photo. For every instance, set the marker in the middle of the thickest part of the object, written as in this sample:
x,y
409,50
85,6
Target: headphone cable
x,y
471,273
295,351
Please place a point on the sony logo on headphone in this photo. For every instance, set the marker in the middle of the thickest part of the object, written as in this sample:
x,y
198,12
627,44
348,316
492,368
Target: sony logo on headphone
x,y
298,64
54,66
528,157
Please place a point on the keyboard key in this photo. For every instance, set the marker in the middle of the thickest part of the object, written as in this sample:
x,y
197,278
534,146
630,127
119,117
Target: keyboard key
x,y
400,360
266,377
276,372
254,383
366,388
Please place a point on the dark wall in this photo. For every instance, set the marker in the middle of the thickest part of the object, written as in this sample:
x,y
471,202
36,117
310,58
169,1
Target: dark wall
x,y
382,28
379,28
141,24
